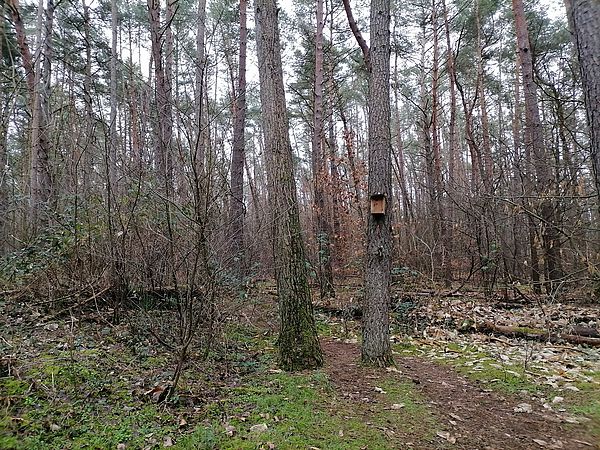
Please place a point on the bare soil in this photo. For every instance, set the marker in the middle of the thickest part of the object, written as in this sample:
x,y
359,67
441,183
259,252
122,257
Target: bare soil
x,y
475,417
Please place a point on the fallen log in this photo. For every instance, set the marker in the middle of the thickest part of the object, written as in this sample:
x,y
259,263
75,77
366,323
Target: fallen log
x,y
536,334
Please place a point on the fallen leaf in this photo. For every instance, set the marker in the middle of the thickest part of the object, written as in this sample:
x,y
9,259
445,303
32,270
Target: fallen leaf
x,y
158,393
541,442
229,430
54,427
583,442
168,442
397,406
121,447
381,391
447,436
557,399
260,428
523,408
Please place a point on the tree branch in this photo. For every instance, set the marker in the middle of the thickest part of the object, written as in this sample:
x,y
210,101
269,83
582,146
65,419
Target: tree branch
x,y
357,34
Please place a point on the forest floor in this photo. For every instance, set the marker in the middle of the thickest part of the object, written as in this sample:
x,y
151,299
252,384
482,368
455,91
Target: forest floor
x,y
79,382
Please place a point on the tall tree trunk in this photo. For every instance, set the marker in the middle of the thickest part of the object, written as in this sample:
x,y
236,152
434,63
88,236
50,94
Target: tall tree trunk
x,y
323,227
40,181
160,91
452,141
398,151
298,344
201,124
4,194
376,344
487,163
376,348
5,116
237,210
438,186
86,157
536,150
110,160
584,19
168,97
111,163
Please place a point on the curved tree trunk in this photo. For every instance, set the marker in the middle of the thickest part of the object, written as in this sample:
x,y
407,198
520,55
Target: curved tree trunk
x,y
40,182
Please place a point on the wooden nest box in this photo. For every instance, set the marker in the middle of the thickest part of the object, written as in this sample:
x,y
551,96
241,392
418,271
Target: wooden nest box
x,y
378,204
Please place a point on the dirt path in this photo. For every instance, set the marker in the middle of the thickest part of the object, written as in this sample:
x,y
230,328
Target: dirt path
x,y
476,418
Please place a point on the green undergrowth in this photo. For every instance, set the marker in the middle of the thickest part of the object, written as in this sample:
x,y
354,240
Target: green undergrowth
x,y
67,402
97,396
275,409
303,410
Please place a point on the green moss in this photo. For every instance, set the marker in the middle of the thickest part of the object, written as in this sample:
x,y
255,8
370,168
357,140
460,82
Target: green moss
x,y
10,387
407,348
527,330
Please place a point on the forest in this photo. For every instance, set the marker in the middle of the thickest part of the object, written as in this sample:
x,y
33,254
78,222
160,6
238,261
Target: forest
x,y
304,224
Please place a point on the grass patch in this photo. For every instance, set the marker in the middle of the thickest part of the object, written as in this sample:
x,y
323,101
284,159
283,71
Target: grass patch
x,y
586,402
302,411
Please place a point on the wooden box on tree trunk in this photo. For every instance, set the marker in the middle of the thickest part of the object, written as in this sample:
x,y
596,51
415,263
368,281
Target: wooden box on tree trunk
x,y
378,204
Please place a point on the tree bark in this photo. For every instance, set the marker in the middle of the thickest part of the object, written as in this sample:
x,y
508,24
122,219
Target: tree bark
x,y
111,163
452,141
85,158
298,344
199,151
323,227
40,182
237,208
536,152
161,92
376,348
584,19
440,233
